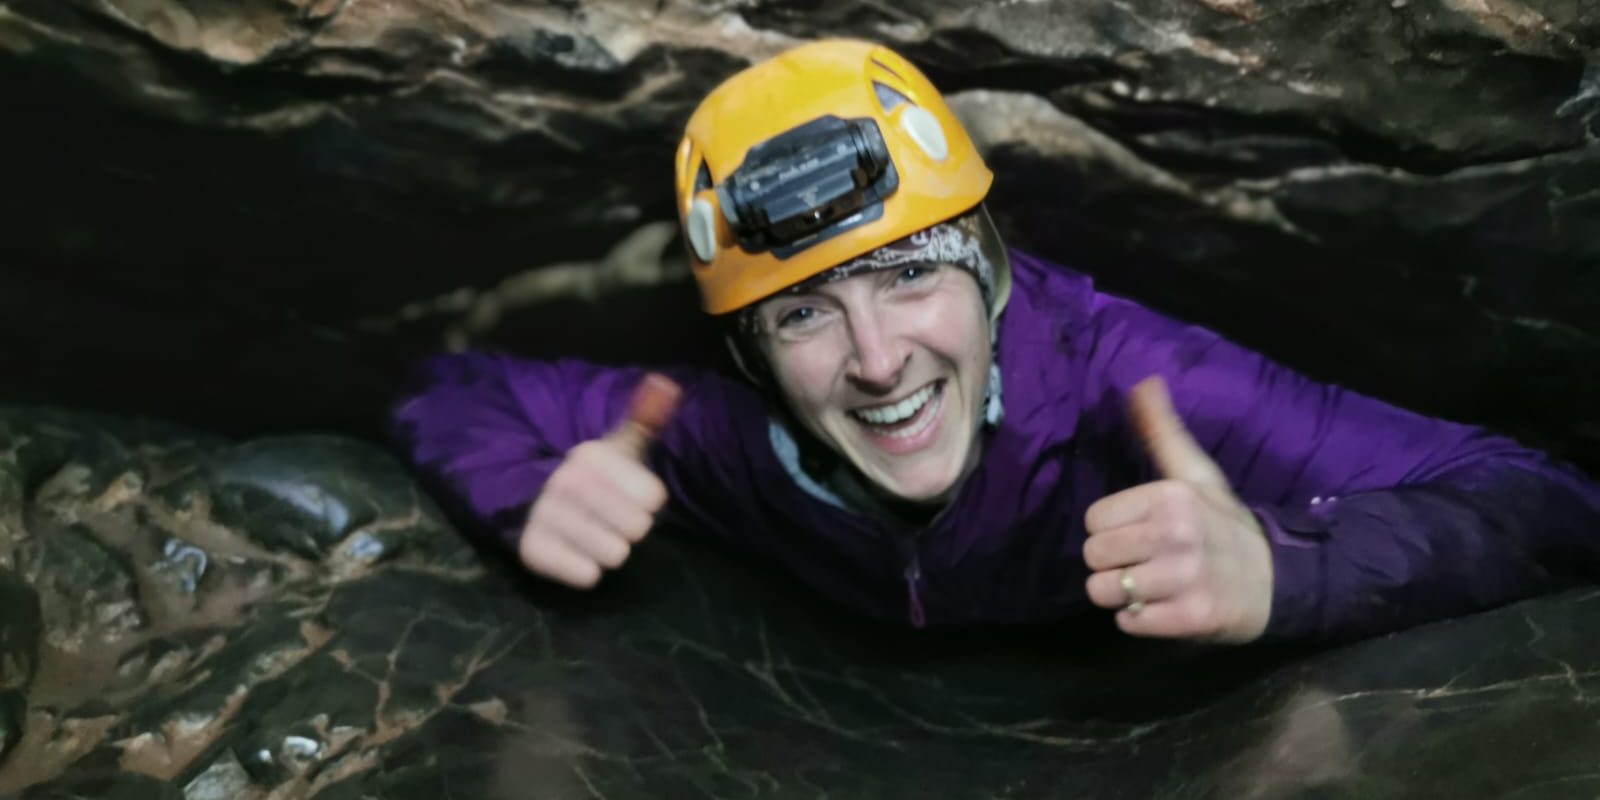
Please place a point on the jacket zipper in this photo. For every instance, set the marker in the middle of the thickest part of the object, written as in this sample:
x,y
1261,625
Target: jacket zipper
x,y
913,576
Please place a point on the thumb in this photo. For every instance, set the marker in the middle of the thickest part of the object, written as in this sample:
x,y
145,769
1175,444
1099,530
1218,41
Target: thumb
x,y
1175,452
654,401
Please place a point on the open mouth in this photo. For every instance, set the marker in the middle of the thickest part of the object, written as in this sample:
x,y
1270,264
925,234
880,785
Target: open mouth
x,y
906,418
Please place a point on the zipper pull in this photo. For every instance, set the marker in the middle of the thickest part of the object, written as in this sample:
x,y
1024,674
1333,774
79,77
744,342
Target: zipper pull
x,y
914,600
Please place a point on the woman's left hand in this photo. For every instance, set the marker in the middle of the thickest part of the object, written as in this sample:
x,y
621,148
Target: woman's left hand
x,y
1196,559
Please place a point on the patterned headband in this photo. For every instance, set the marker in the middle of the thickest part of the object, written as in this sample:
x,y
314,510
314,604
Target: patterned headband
x,y
957,242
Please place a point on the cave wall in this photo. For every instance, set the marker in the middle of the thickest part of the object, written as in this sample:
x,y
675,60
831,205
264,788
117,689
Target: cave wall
x,y
251,215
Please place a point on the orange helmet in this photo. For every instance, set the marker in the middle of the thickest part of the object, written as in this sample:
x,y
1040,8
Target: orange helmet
x,y
818,155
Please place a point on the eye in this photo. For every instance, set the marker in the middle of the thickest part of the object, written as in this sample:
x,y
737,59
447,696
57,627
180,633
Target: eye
x,y
915,273
796,316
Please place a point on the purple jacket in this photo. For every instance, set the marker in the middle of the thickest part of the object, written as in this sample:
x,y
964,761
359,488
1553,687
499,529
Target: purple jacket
x,y
1378,518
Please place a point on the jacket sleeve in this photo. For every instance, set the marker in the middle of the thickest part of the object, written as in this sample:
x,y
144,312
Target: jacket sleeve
x,y
1378,518
485,431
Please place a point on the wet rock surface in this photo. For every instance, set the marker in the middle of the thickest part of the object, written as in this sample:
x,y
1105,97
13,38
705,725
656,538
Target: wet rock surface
x,y
289,617
1396,195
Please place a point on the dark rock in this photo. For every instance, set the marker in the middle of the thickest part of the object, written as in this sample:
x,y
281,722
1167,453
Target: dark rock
x,y
19,631
225,779
252,215
13,708
165,603
20,627
1396,196
312,494
300,670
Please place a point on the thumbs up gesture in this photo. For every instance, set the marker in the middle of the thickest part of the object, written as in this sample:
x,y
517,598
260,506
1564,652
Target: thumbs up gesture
x,y
1181,556
602,499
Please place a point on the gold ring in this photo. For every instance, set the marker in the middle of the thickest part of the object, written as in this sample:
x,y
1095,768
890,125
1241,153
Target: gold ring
x,y
1135,601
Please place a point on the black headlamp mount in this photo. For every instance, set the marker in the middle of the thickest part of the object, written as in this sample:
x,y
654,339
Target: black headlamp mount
x,y
808,184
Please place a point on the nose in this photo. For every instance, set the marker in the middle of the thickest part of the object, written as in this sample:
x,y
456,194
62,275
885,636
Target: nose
x,y
878,355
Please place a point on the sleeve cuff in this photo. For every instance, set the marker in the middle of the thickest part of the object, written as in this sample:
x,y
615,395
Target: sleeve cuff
x,y
1299,573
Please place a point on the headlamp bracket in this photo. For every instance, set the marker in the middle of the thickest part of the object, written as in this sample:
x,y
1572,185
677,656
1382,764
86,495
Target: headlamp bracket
x,y
807,185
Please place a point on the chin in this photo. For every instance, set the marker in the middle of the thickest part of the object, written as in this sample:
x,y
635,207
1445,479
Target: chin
x,y
935,494
928,476
929,486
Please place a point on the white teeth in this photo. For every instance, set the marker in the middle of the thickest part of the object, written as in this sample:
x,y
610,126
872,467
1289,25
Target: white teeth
x,y
920,425
898,412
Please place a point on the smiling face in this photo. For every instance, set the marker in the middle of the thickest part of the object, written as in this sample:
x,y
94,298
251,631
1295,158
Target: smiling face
x,y
888,368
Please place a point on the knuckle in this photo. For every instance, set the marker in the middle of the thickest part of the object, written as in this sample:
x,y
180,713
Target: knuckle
x,y
1094,518
574,463
586,575
1094,555
1182,531
592,459
587,451
537,555
558,484
1099,590
570,480
637,528
653,493
615,553
535,541
640,486
1132,624
538,529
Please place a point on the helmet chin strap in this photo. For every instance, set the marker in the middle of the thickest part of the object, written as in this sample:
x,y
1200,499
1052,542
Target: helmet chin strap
x,y
739,359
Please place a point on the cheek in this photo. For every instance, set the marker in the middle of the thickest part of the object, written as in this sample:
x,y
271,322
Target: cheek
x,y
805,372
961,335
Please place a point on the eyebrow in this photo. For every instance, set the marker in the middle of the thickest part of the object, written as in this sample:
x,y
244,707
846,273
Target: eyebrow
x,y
796,294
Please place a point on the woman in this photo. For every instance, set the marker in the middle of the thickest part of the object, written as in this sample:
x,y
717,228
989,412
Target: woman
x,y
939,430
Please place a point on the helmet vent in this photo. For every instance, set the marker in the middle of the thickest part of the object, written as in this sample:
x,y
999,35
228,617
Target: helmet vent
x,y
924,129
888,97
702,229
885,68
702,179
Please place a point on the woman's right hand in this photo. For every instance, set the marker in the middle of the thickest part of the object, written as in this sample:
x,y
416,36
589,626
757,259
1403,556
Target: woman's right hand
x,y
603,498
